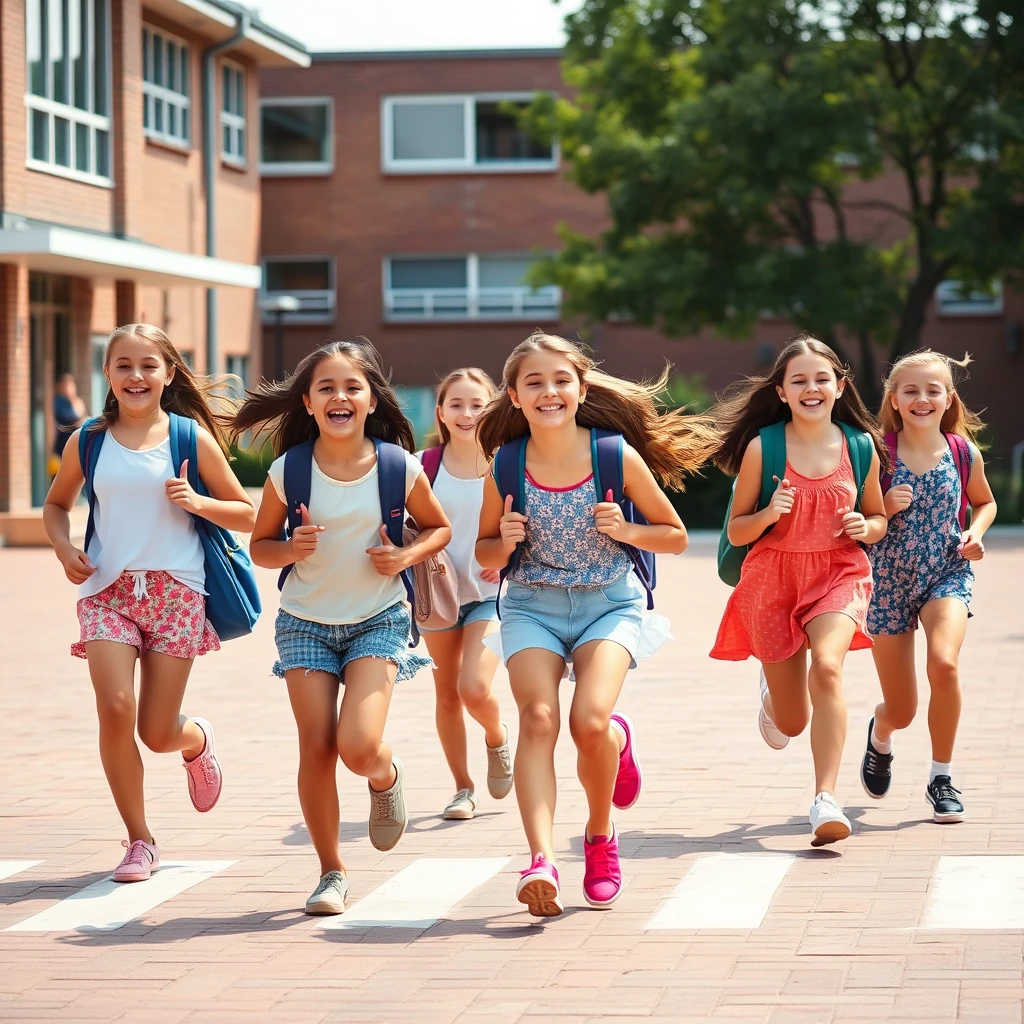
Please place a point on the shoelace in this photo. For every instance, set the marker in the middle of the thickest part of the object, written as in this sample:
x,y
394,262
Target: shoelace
x,y
328,882
876,763
501,755
540,864
943,788
384,804
599,857
136,854
463,794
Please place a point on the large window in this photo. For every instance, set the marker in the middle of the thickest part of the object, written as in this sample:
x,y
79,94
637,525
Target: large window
x,y
295,136
953,299
460,133
309,279
232,112
166,113
472,287
68,99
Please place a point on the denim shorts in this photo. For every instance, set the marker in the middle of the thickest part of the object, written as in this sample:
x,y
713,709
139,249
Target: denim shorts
x,y
472,611
319,647
560,619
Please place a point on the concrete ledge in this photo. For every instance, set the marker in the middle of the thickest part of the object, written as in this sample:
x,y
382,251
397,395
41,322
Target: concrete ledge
x,y
24,529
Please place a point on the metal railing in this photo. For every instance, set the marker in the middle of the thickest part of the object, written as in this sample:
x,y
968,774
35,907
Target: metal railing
x,y
514,303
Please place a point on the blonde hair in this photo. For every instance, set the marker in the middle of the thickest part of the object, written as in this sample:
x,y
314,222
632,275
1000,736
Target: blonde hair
x,y
187,395
672,443
442,435
957,419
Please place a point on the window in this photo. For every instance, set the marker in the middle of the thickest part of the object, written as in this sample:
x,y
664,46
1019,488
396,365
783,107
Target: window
x,y
237,366
68,96
310,279
232,113
460,133
295,136
473,287
952,299
166,113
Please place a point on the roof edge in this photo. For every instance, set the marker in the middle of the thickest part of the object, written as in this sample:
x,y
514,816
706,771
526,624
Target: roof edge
x,y
327,57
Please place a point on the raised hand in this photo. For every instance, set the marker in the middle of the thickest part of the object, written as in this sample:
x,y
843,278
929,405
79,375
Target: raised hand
x,y
898,498
608,517
305,536
971,546
387,559
512,526
179,490
855,526
782,500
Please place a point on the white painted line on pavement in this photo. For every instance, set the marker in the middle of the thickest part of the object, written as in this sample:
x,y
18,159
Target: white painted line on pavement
x,y
14,867
419,895
984,892
107,905
724,890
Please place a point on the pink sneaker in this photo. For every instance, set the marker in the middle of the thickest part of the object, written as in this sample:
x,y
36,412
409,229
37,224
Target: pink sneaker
x,y
204,778
630,779
139,862
538,888
602,877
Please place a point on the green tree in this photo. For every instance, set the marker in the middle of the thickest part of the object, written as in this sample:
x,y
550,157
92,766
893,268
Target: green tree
x,y
737,140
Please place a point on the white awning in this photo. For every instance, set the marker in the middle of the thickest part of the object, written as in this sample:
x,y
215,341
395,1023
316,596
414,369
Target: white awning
x,y
81,254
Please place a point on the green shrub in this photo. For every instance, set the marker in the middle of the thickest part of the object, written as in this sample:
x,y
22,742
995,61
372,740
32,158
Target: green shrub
x,y
250,465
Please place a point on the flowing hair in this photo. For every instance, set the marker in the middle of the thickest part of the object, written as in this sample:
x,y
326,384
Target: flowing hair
x,y
957,419
754,402
441,434
187,395
278,407
672,443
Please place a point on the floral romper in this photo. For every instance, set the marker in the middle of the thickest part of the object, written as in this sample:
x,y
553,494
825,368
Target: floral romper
x,y
917,560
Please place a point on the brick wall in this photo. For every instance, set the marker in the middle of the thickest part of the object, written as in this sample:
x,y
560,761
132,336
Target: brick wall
x,y
15,459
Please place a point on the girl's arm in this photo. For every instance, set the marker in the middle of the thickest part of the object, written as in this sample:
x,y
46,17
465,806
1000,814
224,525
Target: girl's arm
x,y
745,524
228,505
435,533
63,494
983,508
870,523
664,533
500,528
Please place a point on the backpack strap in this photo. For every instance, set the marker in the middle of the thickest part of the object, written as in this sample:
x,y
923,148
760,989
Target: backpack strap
x,y
391,463
431,459
861,449
298,482
183,435
606,448
891,445
509,472
963,459
89,444
773,460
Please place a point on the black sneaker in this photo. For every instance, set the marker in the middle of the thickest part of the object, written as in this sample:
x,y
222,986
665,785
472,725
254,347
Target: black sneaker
x,y
944,799
875,769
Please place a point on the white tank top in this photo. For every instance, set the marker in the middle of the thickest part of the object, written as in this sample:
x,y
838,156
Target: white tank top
x,y
137,527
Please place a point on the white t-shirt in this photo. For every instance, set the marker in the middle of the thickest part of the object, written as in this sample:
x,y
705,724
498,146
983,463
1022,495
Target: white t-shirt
x,y
338,584
462,501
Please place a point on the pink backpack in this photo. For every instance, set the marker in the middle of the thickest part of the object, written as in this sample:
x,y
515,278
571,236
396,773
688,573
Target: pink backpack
x,y
962,459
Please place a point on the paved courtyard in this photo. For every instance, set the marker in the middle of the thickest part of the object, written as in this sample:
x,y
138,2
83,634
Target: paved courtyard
x,y
727,913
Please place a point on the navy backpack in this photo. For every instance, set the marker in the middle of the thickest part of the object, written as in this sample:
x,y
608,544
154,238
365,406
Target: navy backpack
x,y
232,599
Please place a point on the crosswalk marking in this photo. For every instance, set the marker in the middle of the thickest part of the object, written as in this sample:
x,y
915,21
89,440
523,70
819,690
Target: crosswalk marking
x,y
108,905
419,895
976,892
724,890
14,867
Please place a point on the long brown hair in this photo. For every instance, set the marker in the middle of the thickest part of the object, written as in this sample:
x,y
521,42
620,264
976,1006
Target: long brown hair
x,y
672,443
278,405
957,419
754,403
442,435
187,395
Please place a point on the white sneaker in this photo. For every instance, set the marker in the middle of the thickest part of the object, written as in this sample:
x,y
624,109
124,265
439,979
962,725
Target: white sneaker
x,y
769,731
329,896
828,823
461,807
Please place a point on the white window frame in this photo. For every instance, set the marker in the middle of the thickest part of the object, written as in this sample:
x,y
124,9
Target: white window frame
x,y
316,306
235,123
468,164
54,109
299,168
151,91
533,304
949,303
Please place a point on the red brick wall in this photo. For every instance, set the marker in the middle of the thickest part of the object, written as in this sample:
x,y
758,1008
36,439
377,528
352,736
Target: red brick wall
x,y
15,458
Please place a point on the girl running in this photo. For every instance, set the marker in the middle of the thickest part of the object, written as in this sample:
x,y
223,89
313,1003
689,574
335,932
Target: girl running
x,y
572,593
923,566
141,581
463,666
342,619
806,582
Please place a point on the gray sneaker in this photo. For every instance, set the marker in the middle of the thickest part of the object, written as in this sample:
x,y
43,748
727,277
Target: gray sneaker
x,y
329,895
461,807
499,769
387,813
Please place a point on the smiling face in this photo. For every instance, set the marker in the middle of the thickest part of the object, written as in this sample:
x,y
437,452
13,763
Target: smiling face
x,y
464,401
137,373
810,387
548,390
921,395
339,397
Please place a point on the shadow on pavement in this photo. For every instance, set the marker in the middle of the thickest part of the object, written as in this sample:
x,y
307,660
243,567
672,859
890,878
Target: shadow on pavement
x,y
136,932
22,890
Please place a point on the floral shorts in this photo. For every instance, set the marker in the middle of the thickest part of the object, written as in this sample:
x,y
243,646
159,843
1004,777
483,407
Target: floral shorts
x,y
149,610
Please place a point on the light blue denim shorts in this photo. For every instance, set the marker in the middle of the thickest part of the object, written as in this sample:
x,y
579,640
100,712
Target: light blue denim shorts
x,y
560,619
472,611
320,647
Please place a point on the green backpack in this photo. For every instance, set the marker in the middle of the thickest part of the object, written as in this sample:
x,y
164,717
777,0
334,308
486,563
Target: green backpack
x,y
773,464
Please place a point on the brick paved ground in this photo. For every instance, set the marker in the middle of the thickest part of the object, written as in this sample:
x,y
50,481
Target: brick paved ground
x,y
841,940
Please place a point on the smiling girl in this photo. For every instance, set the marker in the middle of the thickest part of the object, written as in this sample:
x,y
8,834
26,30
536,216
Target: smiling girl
x,y
806,581
141,595
342,617
923,566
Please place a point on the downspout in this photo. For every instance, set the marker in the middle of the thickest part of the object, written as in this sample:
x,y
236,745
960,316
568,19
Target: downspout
x,y
210,162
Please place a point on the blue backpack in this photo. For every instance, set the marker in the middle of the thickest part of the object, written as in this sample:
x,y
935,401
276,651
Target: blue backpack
x,y
606,457
233,599
298,482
